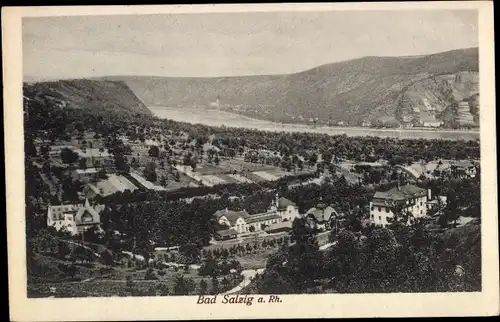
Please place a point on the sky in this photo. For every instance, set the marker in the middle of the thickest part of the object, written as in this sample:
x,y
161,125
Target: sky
x,y
232,44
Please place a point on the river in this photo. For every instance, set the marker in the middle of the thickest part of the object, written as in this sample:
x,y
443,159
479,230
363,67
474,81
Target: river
x,y
221,118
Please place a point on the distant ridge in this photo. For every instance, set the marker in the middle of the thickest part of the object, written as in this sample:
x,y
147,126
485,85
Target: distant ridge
x,y
362,89
368,88
89,94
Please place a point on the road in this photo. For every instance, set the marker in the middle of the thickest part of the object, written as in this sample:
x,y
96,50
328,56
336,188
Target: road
x,y
326,246
81,245
248,276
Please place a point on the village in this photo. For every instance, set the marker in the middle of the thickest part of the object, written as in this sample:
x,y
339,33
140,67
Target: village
x,y
88,170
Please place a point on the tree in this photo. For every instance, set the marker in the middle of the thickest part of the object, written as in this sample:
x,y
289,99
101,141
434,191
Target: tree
x,y
150,172
162,289
203,287
129,281
29,147
451,209
313,159
150,275
121,164
304,258
101,174
183,286
154,151
82,163
163,181
68,156
215,285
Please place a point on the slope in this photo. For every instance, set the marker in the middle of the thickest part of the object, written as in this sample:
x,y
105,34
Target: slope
x,y
353,91
90,94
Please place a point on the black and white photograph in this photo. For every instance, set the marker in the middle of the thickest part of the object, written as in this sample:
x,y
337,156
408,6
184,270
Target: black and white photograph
x,y
230,155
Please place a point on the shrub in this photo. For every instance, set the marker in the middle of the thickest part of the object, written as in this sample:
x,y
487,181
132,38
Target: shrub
x,y
150,275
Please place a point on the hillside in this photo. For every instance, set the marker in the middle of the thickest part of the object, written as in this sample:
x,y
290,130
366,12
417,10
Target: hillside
x,y
92,94
368,88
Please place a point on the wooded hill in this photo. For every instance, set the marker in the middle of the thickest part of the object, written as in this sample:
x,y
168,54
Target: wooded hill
x,y
368,88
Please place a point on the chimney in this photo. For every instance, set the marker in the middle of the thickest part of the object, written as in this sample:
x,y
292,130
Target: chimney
x,y
429,194
399,185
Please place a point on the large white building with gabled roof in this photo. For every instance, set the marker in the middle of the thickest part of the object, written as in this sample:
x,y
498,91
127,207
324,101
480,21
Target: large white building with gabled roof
x,y
282,210
407,198
75,218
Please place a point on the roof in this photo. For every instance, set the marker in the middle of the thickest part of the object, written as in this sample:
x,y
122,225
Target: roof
x,y
227,232
231,215
82,211
113,184
151,142
322,214
401,193
280,225
283,203
369,164
263,217
427,117
463,164
57,211
89,170
94,152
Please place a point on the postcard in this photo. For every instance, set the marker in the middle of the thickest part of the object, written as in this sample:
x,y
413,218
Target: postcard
x,y
251,161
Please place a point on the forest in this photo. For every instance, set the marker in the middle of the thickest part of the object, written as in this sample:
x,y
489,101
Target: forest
x,y
399,258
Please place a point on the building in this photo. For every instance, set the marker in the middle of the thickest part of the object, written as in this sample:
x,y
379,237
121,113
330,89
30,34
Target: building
x,y
283,226
113,184
407,198
438,203
226,234
463,169
74,218
429,120
433,123
86,174
321,217
95,157
242,222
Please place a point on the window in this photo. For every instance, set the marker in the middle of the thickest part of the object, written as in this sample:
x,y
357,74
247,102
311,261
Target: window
x,y
289,211
421,203
379,209
373,208
379,218
421,212
387,210
372,216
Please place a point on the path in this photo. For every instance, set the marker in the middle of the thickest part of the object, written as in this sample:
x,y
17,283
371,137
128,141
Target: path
x,y
248,276
192,266
81,245
326,246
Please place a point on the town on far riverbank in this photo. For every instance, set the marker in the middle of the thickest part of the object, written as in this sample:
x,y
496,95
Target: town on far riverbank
x,y
213,117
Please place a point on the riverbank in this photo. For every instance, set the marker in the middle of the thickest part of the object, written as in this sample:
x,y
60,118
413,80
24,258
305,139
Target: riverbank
x,y
219,118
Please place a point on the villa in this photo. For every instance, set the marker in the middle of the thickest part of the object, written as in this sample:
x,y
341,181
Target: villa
x,y
75,218
407,198
241,222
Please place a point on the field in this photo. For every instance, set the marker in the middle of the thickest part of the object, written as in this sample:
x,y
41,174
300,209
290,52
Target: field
x,y
237,171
